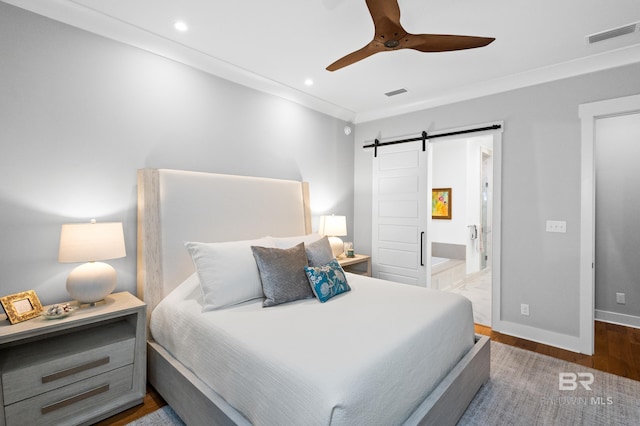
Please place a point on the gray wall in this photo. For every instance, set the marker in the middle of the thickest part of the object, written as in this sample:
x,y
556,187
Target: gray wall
x,y
540,181
79,114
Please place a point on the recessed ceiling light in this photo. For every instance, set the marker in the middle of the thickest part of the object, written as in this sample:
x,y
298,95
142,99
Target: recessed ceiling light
x,y
180,26
308,82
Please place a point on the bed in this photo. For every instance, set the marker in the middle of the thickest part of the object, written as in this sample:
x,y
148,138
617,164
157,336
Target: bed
x,y
326,385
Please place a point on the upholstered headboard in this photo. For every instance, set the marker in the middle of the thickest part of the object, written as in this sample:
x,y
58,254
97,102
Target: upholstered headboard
x,y
177,206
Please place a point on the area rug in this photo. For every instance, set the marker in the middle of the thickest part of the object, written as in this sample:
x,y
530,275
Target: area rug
x,y
164,416
527,388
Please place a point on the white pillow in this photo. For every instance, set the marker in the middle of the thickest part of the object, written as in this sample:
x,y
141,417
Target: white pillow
x,y
228,272
288,242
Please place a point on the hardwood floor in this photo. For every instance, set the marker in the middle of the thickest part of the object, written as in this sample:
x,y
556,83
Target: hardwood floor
x,y
617,349
617,352
152,401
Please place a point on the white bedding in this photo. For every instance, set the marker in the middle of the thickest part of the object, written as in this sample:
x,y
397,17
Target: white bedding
x,y
366,357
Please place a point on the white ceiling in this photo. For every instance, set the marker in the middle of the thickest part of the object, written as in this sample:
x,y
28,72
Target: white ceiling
x,y
275,45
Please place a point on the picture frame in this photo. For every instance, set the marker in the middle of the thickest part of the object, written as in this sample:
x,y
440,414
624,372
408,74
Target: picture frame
x,y
441,203
21,306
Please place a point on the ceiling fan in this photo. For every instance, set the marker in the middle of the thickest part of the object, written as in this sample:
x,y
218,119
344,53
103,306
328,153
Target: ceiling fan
x,y
389,35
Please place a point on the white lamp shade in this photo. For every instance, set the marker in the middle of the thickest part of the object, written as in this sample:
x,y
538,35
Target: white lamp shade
x,y
333,226
89,242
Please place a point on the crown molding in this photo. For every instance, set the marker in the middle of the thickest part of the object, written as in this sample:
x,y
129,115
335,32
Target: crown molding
x,y
80,16
607,60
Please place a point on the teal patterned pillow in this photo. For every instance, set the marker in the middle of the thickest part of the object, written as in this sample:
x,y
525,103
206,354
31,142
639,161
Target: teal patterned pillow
x,y
327,280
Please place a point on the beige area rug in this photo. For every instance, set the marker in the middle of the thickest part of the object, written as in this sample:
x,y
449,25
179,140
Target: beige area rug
x,y
524,389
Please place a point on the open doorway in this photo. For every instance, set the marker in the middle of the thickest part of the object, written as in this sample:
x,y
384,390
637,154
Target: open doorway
x,y
590,113
461,245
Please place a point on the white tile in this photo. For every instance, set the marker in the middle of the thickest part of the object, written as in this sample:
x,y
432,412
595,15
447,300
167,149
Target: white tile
x,y
477,288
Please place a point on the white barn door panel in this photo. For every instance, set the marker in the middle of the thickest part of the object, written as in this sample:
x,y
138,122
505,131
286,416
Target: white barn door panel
x,y
400,208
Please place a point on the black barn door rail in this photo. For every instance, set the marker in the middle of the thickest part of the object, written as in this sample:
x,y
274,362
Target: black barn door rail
x,y
376,144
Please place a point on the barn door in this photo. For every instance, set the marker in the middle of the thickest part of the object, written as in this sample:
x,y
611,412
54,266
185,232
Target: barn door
x,y
401,204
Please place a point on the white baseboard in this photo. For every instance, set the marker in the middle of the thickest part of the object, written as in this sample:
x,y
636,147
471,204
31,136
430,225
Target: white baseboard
x,y
546,337
616,318
563,341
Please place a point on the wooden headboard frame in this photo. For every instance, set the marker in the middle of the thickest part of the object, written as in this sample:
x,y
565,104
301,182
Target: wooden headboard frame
x,y
177,206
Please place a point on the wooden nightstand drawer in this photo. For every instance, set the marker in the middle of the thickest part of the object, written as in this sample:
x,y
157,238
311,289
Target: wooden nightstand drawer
x,y
61,405
75,370
33,369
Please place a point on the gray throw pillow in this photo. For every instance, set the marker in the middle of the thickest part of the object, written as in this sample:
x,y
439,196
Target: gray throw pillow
x,y
282,274
319,252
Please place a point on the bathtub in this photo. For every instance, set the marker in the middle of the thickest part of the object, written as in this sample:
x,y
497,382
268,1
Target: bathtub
x,y
447,274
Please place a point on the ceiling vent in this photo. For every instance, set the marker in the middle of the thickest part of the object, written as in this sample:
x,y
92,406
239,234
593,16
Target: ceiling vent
x,y
616,32
396,92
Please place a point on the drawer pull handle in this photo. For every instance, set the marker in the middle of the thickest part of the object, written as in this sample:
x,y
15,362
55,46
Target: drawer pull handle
x,y
72,400
74,370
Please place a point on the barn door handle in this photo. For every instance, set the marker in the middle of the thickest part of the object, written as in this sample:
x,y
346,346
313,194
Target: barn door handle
x,y
422,248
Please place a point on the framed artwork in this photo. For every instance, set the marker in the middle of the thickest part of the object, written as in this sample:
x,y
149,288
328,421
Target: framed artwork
x,y
21,306
441,203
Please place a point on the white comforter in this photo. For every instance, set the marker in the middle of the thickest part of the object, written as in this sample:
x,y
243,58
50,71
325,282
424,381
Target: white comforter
x,y
366,357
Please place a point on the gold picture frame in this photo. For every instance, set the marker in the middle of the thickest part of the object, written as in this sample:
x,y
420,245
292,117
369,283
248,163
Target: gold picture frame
x,y
21,306
441,203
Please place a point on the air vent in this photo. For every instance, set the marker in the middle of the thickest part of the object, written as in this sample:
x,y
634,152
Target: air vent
x,y
396,92
616,32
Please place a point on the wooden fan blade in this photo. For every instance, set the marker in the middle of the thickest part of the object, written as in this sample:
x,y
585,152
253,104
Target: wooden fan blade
x,y
389,35
444,43
382,10
356,56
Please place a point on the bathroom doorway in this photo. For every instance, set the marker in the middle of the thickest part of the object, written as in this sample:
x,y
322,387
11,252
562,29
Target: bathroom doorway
x,y
461,246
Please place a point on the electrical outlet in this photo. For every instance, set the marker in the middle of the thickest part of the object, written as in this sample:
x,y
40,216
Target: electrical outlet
x,y
524,309
556,226
620,299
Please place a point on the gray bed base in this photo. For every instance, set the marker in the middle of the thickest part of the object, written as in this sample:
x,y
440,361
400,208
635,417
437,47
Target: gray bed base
x,y
197,404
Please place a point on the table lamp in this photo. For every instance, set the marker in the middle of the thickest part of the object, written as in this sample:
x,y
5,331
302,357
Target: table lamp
x,y
91,242
333,227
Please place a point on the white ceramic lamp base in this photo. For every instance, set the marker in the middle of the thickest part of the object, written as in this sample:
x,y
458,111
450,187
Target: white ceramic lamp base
x,y
337,246
91,282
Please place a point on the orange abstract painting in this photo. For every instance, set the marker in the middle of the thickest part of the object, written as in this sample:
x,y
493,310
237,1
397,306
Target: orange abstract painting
x,y
441,203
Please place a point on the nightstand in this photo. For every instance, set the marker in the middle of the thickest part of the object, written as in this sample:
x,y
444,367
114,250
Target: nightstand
x,y
362,261
75,370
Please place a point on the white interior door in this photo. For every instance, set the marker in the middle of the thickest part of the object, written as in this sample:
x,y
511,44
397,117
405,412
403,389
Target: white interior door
x,y
617,209
589,113
400,212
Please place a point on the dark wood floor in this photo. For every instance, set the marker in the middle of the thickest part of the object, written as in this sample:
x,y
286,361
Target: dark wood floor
x,y
152,401
617,351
